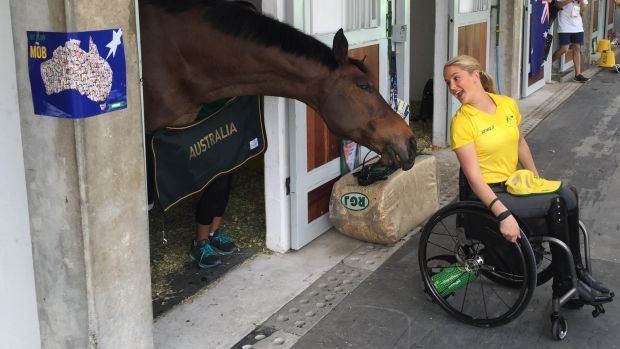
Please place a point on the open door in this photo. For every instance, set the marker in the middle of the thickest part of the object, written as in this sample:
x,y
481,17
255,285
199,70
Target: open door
x,y
314,151
534,78
469,34
609,18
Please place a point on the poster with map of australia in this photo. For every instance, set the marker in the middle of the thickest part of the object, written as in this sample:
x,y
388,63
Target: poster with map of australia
x,y
77,75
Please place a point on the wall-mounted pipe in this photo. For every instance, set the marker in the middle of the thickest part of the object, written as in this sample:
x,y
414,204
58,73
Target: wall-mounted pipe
x,y
497,31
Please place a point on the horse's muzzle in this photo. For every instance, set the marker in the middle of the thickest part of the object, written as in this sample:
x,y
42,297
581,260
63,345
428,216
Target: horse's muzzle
x,y
409,161
403,156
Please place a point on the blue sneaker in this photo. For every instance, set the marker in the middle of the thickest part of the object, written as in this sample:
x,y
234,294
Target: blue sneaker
x,y
204,254
222,243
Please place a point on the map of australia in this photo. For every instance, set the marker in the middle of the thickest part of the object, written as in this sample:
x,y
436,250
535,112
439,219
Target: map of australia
x,y
71,68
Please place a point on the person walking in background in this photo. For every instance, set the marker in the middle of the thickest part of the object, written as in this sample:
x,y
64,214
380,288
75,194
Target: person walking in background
x,y
570,32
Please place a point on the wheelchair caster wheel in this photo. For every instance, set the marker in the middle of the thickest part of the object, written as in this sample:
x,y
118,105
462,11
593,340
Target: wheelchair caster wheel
x,y
559,328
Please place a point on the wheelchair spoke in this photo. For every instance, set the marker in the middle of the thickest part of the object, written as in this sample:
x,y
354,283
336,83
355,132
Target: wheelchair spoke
x,y
505,274
442,234
448,232
500,298
484,302
434,244
465,295
478,248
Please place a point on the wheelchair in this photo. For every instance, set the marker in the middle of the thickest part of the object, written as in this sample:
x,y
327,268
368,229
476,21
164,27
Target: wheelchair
x,y
480,278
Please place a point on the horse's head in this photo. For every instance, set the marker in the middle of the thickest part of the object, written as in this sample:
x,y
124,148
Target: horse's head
x,y
353,108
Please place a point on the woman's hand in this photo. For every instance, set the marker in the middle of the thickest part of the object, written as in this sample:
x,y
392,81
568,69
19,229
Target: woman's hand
x,y
510,229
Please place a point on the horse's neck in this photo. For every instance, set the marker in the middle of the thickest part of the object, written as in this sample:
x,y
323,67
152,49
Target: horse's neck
x,y
186,64
239,67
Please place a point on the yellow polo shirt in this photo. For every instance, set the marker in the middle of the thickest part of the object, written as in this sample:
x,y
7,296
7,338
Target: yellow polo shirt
x,y
495,137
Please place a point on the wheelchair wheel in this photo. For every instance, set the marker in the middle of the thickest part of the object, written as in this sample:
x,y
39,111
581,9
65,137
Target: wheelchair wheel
x,y
542,256
461,255
559,328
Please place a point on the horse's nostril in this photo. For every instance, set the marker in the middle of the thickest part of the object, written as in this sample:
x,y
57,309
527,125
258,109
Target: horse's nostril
x,y
411,153
413,146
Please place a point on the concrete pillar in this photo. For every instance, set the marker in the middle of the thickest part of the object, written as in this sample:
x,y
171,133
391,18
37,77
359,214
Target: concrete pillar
x,y
86,196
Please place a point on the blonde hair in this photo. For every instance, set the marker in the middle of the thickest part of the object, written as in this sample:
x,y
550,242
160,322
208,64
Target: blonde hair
x,y
470,65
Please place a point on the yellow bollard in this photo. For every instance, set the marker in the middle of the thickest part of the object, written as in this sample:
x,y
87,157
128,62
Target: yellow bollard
x,y
603,45
608,59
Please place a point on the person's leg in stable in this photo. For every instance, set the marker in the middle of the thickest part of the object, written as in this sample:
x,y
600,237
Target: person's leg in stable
x,y
211,207
209,213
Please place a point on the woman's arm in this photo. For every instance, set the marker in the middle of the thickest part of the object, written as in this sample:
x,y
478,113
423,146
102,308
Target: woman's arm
x,y
525,156
469,164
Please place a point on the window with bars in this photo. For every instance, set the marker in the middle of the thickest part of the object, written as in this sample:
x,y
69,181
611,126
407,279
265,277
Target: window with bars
x,y
327,16
362,14
469,6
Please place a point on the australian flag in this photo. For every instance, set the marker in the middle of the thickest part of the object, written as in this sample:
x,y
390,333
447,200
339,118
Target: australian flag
x,y
539,27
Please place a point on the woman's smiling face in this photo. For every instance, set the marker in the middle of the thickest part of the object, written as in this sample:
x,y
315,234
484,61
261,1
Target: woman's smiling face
x,y
462,84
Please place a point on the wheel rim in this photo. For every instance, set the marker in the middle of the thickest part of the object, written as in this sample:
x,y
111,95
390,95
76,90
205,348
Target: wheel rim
x,y
481,301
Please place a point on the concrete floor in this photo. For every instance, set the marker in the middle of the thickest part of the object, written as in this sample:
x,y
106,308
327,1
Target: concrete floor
x,y
385,308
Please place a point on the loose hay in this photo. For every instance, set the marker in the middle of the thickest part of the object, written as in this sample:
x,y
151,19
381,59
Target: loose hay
x,y
244,221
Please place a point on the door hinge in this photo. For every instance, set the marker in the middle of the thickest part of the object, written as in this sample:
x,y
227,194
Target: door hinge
x,y
400,33
287,184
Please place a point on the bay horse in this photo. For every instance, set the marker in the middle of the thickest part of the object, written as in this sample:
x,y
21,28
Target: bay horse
x,y
197,51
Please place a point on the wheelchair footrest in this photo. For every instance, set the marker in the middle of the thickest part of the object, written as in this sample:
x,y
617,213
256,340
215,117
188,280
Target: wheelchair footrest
x,y
598,310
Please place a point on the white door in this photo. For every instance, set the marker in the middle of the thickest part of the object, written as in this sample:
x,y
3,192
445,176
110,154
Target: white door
x,y
314,168
530,82
609,18
598,20
468,34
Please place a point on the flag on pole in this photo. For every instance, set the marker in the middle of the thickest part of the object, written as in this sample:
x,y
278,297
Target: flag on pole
x,y
539,26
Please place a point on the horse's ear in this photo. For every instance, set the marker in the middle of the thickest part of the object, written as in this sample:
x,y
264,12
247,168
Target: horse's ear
x,y
341,47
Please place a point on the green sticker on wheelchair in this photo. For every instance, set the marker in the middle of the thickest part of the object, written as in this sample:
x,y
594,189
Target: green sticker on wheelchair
x,y
354,201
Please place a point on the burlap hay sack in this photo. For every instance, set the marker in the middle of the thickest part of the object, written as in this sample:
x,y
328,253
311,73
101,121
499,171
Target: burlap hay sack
x,y
385,211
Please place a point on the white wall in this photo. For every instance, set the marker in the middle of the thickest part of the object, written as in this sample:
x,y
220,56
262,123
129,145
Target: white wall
x,y
19,324
277,204
440,93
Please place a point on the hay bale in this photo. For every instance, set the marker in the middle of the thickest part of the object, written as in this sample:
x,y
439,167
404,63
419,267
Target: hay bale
x,y
386,210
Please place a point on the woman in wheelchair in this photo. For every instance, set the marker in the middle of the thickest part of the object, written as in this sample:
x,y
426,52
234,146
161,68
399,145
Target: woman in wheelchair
x,y
486,139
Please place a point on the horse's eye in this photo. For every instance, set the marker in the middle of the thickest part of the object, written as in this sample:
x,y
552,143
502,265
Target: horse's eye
x,y
365,87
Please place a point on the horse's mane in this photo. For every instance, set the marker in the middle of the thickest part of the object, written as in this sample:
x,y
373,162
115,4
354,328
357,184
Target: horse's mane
x,y
241,21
